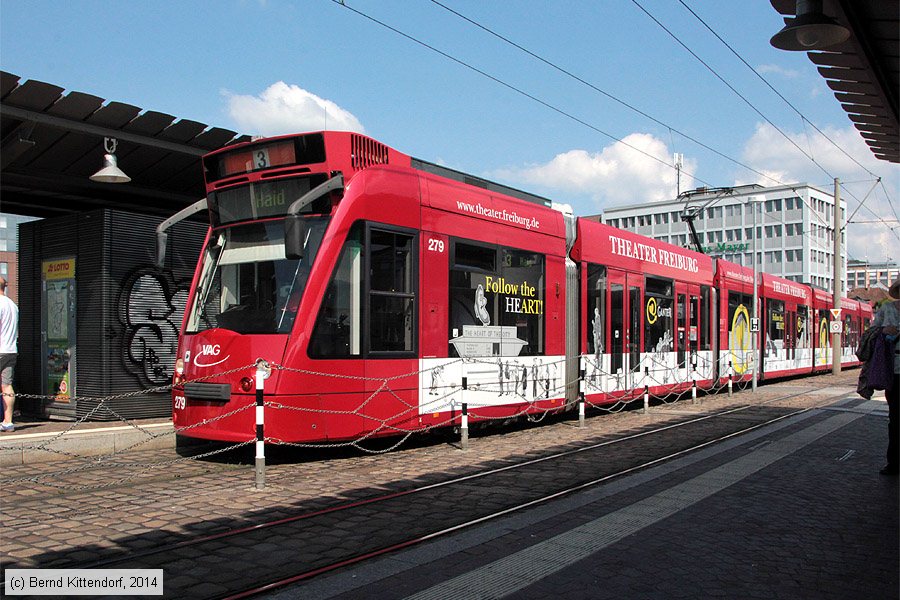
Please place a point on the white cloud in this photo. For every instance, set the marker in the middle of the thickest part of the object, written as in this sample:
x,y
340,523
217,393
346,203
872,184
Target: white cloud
x,y
777,70
770,153
637,169
282,109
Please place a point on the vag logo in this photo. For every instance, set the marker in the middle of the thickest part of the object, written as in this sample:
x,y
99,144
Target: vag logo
x,y
207,355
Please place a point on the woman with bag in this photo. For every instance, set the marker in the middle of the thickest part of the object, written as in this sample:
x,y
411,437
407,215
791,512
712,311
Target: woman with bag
x,y
888,318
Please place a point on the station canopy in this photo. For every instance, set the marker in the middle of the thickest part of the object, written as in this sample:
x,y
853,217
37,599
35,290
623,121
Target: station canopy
x,y
51,142
864,70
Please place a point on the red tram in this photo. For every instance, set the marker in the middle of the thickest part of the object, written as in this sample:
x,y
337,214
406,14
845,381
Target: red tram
x,y
387,291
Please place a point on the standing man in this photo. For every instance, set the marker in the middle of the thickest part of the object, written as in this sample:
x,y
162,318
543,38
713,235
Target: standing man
x,y
9,331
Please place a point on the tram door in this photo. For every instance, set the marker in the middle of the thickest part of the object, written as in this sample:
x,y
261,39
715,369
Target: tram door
x,y
624,326
790,334
687,325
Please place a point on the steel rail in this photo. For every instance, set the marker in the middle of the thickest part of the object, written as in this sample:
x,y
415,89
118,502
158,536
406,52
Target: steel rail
x,y
531,503
472,476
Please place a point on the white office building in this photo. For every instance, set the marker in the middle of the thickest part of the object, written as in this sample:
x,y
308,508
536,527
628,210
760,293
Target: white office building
x,y
794,228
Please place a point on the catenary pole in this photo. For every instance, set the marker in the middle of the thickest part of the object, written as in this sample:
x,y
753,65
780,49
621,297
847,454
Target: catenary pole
x,y
836,353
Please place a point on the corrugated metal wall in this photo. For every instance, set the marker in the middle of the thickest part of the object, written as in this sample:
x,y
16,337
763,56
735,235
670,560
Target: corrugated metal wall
x,y
128,311
28,368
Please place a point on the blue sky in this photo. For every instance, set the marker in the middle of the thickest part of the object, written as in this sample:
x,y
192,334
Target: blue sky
x,y
280,66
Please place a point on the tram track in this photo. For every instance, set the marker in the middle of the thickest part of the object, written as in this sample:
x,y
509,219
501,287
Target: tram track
x,y
299,577
319,533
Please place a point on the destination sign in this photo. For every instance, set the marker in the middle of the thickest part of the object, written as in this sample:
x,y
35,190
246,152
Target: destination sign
x,y
255,159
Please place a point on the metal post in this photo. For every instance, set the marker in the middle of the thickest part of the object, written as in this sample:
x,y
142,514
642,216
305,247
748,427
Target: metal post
x,y
581,386
755,335
464,428
260,462
646,399
464,420
694,392
836,353
730,379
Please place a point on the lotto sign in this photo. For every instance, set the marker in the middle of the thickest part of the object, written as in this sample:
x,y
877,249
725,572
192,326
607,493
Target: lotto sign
x,y
59,269
836,327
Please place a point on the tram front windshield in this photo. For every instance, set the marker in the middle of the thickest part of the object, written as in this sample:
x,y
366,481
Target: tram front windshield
x,y
246,284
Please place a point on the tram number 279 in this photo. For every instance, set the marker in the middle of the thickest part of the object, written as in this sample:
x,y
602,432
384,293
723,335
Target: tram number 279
x,y
435,245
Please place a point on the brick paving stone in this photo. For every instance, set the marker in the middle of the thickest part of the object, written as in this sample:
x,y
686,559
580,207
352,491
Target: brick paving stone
x,y
227,498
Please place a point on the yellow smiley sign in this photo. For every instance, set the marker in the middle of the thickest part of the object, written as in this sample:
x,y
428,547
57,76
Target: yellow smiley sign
x,y
651,311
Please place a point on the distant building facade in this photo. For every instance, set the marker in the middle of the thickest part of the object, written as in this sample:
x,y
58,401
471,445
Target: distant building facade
x,y
9,246
794,228
865,274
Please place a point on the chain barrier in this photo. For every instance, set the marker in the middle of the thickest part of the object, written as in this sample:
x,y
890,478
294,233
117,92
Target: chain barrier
x,y
661,378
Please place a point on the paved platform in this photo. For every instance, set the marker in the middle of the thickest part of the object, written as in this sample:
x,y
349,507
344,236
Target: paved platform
x,y
795,510
43,440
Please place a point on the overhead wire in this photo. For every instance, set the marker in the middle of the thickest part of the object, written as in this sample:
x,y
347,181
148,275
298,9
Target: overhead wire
x,y
509,86
580,121
729,86
752,106
597,89
737,93
616,99
794,108
771,87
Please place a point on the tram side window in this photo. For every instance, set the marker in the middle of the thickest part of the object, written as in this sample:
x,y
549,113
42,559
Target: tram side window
x,y
496,300
802,327
338,328
775,341
850,336
596,304
705,313
739,306
658,321
392,304
383,262
824,337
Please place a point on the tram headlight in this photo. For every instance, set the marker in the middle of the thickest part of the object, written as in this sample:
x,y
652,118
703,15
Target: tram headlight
x,y
246,384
